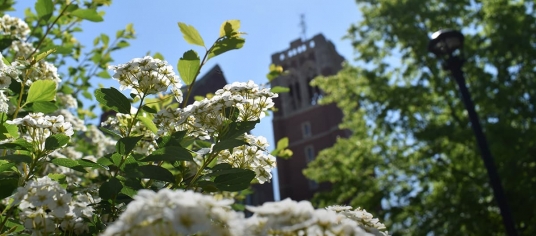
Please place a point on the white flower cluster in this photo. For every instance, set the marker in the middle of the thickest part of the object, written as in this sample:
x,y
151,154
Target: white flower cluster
x,y
253,156
208,117
255,100
179,212
120,123
148,76
39,127
289,217
78,124
362,217
102,144
22,48
14,26
7,73
42,70
46,207
67,100
4,105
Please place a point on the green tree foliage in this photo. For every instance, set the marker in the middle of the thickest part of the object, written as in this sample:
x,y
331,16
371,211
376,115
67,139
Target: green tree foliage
x,y
412,155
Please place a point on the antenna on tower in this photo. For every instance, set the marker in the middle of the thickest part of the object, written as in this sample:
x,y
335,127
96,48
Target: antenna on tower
x,y
303,27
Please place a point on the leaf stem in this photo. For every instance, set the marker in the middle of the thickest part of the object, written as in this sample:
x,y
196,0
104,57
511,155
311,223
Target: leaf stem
x,y
205,164
191,86
131,125
49,27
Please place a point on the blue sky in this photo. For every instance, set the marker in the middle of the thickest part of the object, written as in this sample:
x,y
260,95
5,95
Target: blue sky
x,y
270,27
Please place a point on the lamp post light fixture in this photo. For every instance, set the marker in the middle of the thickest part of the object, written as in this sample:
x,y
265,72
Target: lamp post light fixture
x,y
449,44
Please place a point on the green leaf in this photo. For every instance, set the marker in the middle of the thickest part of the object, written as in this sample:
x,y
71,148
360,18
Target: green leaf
x,y
156,173
87,14
116,158
6,41
158,55
113,99
110,132
171,140
56,141
90,164
229,28
8,185
41,90
188,66
128,191
125,145
43,106
235,182
87,95
191,35
60,178
71,164
43,55
223,168
105,39
149,109
70,8
104,74
225,45
57,177
227,144
207,186
236,129
232,113
19,144
279,89
14,227
105,160
7,130
275,71
17,158
44,9
6,166
110,189
282,143
149,124
170,154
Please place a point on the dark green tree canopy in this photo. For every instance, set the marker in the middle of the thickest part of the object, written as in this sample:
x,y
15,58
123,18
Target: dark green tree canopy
x,y
412,155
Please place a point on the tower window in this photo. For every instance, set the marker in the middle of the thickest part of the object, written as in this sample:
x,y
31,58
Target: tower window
x,y
309,153
313,185
306,130
310,156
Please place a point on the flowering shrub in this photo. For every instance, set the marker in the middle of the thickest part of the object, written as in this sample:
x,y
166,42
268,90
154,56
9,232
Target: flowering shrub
x,y
155,167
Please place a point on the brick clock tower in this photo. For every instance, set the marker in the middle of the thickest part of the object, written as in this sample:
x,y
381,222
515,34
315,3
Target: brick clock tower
x,y
310,127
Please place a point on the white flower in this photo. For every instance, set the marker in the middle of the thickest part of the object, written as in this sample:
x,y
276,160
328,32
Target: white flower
x,y
289,217
4,106
179,212
147,76
252,156
67,100
45,206
14,26
39,127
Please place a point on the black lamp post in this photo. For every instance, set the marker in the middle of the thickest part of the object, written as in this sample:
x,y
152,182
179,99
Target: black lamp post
x,y
448,43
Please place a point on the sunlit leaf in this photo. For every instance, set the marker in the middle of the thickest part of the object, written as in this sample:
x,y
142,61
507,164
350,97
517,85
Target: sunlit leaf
x,y
188,66
88,14
113,99
191,35
41,90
